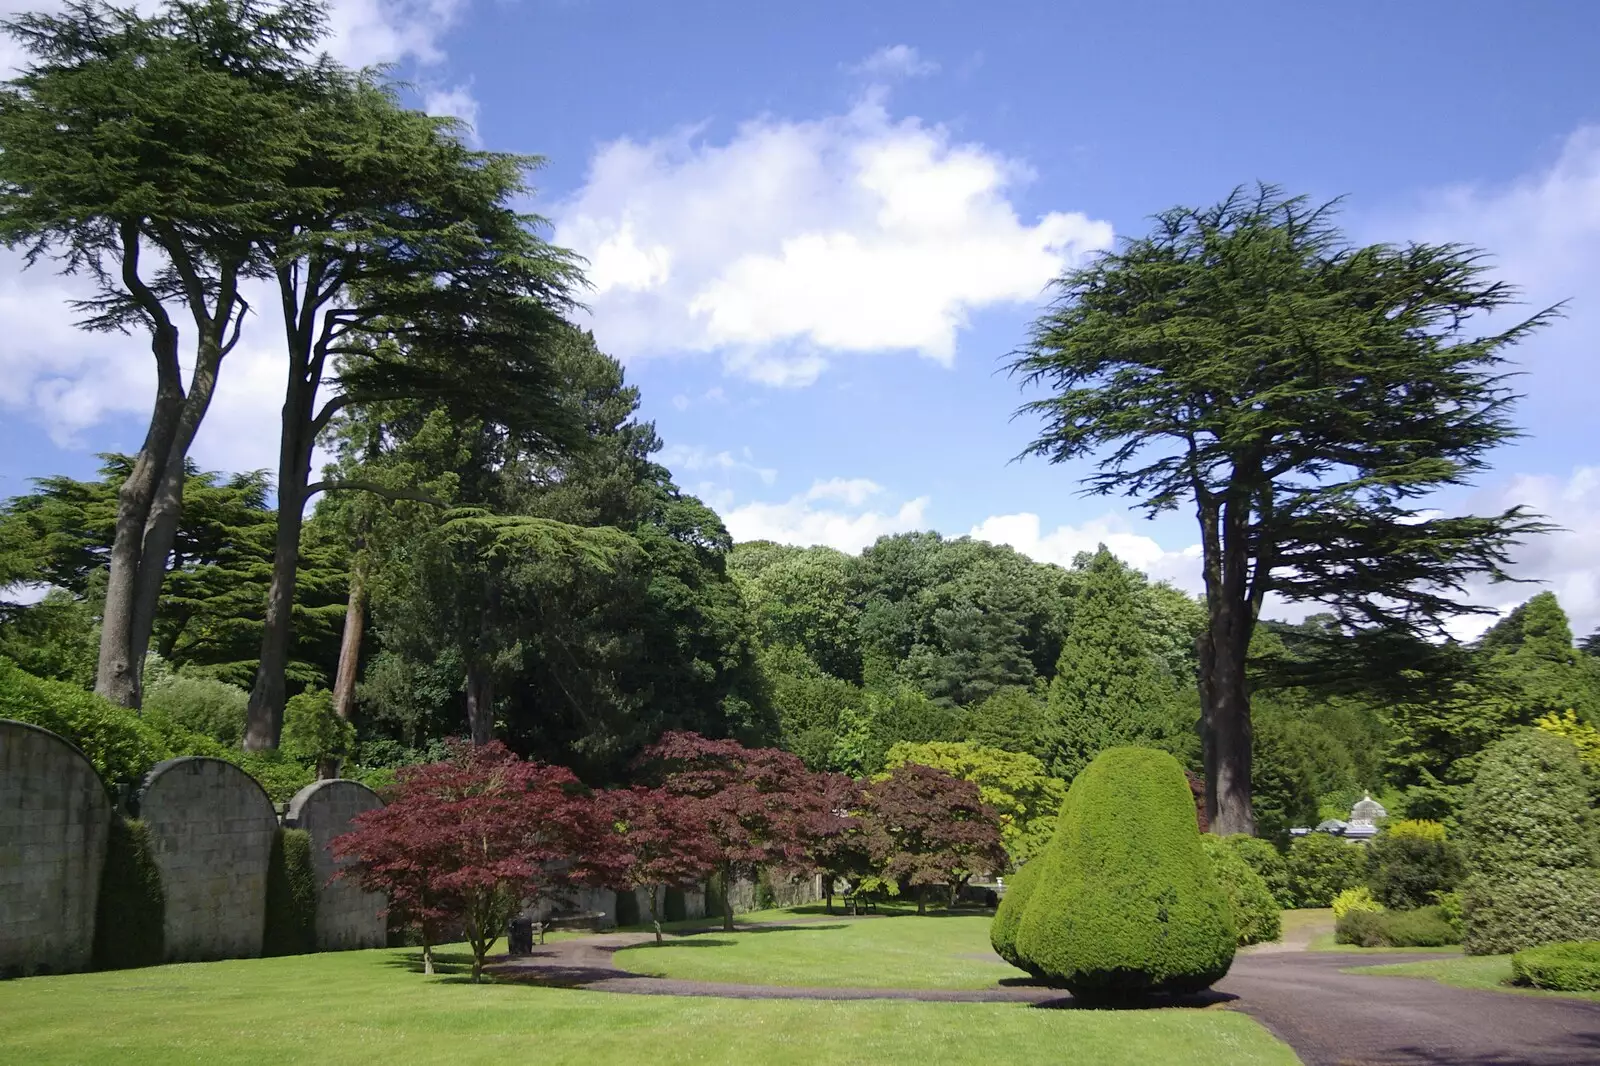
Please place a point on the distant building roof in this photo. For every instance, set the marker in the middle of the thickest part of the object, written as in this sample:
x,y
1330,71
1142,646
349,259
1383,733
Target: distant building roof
x,y
1367,811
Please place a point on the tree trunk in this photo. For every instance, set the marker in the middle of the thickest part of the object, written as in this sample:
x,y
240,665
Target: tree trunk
x,y
116,672
264,717
480,703
655,916
1224,696
827,893
166,507
427,955
355,618
727,899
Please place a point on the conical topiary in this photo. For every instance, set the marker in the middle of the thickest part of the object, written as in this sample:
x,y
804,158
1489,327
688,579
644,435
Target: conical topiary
x,y
1126,903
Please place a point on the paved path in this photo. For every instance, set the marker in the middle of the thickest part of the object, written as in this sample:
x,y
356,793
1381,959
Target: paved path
x,y
1329,1018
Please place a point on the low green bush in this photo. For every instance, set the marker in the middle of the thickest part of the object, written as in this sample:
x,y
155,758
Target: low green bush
x,y
312,731
291,927
1126,904
1268,863
1450,910
201,705
131,912
1410,862
280,775
1425,927
1321,866
1355,899
120,744
1257,918
1573,966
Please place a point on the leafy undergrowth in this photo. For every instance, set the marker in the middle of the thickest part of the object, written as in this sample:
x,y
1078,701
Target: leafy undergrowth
x,y
369,1007
935,951
1491,972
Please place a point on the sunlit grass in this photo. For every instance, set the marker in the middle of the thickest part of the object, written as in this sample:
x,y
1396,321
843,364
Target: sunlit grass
x,y
371,1007
1491,972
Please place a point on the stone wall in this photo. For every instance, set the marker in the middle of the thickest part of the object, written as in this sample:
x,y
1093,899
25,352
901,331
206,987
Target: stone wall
x,y
347,917
211,827
55,818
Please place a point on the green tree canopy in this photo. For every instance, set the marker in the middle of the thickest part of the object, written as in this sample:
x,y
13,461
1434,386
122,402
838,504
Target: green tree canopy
x,y
1303,395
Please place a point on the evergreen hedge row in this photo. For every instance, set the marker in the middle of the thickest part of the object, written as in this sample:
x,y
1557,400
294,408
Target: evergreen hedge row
x,y
129,928
291,927
1003,927
1569,967
1126,904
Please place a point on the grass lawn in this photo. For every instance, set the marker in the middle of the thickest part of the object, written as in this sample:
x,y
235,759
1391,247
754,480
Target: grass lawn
x,y
1325,942
1491,972
935,951
369,1007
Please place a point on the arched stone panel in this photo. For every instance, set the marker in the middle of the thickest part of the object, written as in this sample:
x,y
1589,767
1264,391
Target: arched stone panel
x,y
347,917
55,818
211,827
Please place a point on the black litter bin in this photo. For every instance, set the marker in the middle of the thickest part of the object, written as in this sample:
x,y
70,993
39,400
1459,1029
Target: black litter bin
x,y
520,940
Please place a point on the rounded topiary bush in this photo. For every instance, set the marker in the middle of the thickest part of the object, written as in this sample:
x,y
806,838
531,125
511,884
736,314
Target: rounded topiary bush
x,y
1257,918
1126,903
1008,916
1530,844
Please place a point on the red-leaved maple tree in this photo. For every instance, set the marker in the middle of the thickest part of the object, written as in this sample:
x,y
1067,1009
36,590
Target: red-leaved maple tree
x,y
466,842
748,796
934,827
661,841
836,842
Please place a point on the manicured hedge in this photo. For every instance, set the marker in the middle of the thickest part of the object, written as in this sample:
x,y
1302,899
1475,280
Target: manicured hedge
x,y
1530,844
1003,926
1257,918
1321,866
1568,967
1425,927
291,896
129,923
1126,904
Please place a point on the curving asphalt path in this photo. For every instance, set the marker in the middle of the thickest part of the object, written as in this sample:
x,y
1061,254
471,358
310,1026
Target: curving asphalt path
x,y
1329,1018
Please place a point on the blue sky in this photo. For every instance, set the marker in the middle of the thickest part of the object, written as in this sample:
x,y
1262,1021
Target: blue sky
x,y
816,230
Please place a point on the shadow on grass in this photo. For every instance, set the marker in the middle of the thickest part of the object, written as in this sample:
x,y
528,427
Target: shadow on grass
x,y
445,963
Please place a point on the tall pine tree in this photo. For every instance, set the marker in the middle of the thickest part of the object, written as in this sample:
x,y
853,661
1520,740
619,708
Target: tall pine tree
x,y
1109,688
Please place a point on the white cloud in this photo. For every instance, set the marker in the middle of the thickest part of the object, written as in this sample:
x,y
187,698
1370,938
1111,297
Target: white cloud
x,y
896,61
690,457
853,491
799,521
1024,532
387,31
1566,562
797,242
456,102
